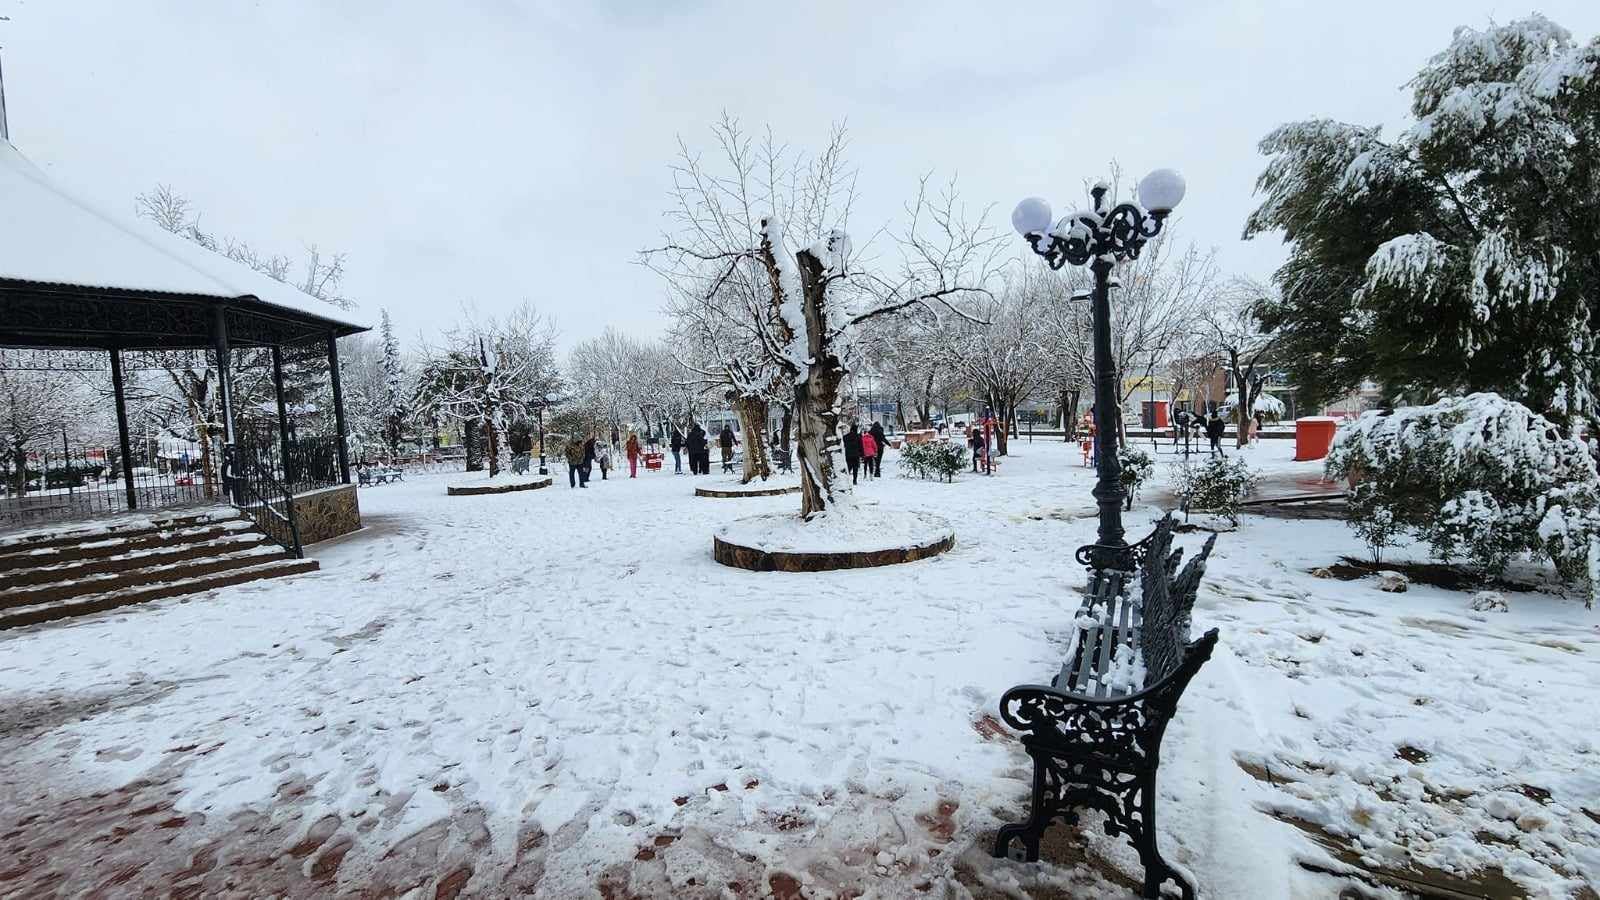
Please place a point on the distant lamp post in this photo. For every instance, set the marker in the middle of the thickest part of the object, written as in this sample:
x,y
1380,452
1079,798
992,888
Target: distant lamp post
x,y
543,469
1100,238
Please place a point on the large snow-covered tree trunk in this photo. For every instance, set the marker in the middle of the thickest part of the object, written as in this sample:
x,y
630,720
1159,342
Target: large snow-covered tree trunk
x,y
816,397
753,422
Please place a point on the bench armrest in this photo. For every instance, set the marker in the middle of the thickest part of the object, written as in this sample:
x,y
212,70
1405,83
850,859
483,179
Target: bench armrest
x,y
1053,714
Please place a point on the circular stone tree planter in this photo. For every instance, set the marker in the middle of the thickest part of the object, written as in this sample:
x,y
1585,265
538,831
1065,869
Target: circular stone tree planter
x,y
769,488
504,484
860,539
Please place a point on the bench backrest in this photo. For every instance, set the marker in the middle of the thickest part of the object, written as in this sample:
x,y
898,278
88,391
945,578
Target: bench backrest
x,y
1168,596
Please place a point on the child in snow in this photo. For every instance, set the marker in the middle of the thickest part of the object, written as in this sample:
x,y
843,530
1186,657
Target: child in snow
x,y
869,451
633,451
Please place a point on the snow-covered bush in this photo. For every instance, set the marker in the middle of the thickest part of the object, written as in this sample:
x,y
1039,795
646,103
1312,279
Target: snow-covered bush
x,y
933,460
1268,407
1137,467
1216,486
1480,479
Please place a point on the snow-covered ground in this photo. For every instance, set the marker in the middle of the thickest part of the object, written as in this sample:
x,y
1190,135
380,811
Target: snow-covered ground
x,y
559,693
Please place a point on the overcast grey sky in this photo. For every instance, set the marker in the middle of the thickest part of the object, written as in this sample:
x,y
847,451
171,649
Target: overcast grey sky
x,y
494,151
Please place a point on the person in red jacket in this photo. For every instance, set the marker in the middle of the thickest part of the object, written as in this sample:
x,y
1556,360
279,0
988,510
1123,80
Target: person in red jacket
x,y
869,452
633,451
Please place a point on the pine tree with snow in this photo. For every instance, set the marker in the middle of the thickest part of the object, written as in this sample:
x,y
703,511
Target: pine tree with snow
x,y
396,401
1463,254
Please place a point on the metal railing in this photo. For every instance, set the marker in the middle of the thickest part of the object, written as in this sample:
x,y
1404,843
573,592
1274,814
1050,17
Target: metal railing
x,y
254,477
44,484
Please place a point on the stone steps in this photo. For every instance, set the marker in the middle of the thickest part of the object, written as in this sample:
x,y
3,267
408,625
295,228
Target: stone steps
x,y
90,568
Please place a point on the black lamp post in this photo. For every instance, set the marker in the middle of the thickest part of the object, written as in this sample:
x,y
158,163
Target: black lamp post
x,y
1100,238
543,469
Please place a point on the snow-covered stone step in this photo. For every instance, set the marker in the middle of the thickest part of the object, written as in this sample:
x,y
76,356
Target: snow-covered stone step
x,y
18,617
123,525
18,558
143,576
58,570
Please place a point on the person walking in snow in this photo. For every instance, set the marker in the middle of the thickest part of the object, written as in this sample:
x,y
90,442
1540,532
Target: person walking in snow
x,y
699,454
589,453
677,451
869,452
602,455
576,476
1214,430
632,450
726,440
883,444
975,442
852,451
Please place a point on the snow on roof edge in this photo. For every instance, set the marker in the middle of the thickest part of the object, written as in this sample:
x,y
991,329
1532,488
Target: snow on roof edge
x,y
55,237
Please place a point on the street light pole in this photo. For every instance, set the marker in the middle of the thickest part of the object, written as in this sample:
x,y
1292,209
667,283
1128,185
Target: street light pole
x,y
543,469
1108,488
1101,238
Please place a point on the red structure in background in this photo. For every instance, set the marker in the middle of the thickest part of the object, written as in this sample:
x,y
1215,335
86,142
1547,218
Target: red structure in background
x,y
1313,435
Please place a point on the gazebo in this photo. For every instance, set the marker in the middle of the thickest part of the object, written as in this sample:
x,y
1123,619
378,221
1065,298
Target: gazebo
x,y
73,277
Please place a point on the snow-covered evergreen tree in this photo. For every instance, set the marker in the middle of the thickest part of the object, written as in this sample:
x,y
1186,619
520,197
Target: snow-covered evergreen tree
x,y
1462,254
396,398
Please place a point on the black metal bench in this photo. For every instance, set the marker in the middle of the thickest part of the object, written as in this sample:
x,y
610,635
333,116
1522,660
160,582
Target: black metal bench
x,y
1095,732
379,475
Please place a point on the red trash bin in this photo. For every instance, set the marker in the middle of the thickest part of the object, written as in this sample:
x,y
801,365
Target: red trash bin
x,y
1313,435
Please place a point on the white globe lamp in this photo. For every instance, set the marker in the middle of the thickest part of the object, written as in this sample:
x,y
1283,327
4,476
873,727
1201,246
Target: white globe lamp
x,y
1032,216
1161,191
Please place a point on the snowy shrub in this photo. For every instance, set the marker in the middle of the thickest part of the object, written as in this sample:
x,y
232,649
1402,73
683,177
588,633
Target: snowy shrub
x,y
1489,601
1137,467
1216,486
934,460
1480,479
1268,407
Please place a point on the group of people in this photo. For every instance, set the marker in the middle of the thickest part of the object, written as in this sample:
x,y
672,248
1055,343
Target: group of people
x,y
697,446
1211,424
583,456
863,451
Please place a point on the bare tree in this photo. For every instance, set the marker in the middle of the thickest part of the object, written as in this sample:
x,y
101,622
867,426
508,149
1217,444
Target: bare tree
x,y
796,314
719,289
490,373
1007,356
35,406
1235,332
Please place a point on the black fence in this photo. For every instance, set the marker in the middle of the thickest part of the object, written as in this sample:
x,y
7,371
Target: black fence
x,y
311,462
43,484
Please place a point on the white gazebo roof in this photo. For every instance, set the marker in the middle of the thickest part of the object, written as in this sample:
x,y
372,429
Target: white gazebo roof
x,y
50,236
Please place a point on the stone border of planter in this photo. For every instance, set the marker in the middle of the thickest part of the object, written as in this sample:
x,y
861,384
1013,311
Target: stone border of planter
x,y
755,560
507,488
758,492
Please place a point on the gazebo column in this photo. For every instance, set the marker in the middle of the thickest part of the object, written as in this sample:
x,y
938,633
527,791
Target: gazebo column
x,y
123,444
338,407
219,335
283,445
224,350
